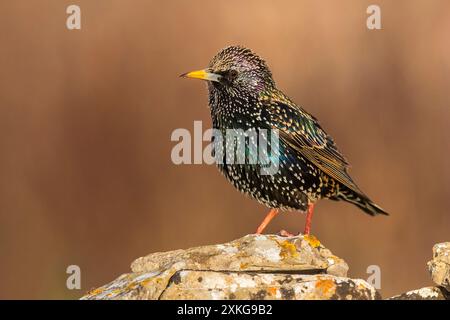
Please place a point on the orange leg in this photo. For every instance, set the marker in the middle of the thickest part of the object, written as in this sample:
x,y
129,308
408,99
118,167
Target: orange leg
x,y
272,213
309,219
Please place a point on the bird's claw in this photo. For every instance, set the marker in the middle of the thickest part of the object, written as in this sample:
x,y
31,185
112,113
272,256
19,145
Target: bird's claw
x,y
285,233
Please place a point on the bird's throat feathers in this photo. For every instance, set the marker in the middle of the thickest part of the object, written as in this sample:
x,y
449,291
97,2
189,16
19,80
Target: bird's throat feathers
x,y
238,105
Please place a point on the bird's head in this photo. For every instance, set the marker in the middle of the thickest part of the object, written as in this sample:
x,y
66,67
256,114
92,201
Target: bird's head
x,y
235,71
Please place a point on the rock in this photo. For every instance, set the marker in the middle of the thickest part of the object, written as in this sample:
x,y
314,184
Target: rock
x,y
253,267
244,286
439,266
427,293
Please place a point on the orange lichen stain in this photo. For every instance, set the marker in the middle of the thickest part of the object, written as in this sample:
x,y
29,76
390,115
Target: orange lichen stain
x,y
114,292
361,287
95,292
313,241
272,290
145,282
243,265
131,286
288,249
326,286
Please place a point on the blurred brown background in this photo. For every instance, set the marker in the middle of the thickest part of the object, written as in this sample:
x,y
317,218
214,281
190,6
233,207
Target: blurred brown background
x,y
86,118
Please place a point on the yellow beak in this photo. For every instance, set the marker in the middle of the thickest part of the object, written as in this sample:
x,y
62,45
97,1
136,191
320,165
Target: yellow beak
x,y
203,75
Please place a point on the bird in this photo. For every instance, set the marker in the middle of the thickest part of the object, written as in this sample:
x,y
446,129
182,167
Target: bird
x,y
243,96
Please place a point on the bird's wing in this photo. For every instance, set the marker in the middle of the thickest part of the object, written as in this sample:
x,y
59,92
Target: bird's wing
x,y
302,132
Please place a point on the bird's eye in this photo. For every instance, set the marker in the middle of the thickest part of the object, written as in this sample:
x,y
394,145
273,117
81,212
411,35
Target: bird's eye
x,y
232,74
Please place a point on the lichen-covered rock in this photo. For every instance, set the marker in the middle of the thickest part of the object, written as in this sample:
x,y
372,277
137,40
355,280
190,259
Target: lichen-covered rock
x,y
427,293
194,285
250,253
439,266
253,267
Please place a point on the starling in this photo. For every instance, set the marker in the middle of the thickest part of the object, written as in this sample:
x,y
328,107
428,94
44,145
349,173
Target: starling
x,y
243,96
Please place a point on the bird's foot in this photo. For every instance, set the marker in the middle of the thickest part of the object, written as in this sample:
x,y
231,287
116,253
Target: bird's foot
x,y
285,233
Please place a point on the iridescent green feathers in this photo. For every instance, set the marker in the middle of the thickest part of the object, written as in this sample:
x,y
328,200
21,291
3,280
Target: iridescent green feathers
x,y
303,133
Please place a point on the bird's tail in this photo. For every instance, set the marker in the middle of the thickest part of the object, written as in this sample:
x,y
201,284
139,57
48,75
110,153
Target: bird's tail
x,y
361,201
